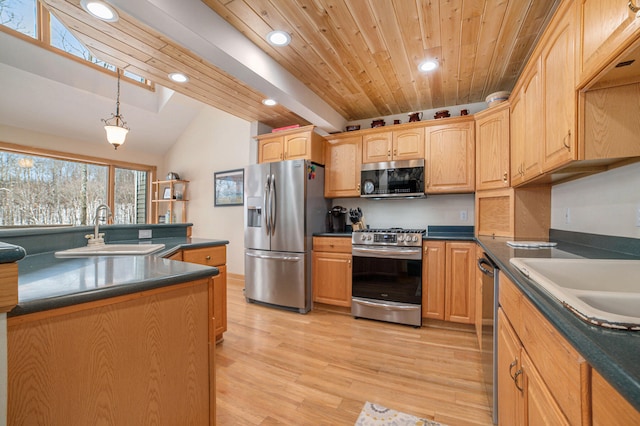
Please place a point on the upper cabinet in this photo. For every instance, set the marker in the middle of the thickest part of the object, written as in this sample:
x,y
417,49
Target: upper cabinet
x,y
295,144
342,170
450,157
407,144
492,148
607,28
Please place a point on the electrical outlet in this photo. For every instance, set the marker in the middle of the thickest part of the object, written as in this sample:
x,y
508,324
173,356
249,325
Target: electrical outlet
x,y
463,215
567,215
144,233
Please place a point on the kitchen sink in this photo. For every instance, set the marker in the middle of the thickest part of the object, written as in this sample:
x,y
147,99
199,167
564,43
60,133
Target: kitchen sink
x,y
605,292
111,250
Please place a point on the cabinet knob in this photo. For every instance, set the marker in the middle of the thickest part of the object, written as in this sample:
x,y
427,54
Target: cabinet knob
x,y
208,258
395,152
633,7
388,153
358,188
564,141
515,380
505,177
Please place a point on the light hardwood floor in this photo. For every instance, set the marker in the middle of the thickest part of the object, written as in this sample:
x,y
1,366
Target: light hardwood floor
x,y
280,367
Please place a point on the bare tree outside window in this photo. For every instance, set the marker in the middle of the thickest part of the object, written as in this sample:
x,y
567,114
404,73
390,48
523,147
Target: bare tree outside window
x,y
19,15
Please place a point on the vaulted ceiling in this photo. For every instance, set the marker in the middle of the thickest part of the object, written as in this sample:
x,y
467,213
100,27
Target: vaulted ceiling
x,y
348,59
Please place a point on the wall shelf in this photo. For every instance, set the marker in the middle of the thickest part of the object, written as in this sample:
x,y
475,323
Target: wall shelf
x,y
169,201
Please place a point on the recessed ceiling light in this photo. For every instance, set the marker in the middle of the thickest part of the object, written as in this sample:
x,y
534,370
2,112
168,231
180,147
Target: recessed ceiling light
x,y
100,10
278,38
178,77
269,102
428,65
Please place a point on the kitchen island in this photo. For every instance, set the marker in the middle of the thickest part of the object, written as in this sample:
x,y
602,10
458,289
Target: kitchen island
x,y
113,339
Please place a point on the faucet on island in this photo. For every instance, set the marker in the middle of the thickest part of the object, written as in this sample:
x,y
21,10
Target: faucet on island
x,y
98,238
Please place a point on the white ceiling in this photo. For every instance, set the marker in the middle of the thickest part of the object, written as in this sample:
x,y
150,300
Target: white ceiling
x,y
48,93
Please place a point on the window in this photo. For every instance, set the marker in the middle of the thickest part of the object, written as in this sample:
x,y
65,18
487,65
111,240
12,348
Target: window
x,y
20,15
51,189
64,40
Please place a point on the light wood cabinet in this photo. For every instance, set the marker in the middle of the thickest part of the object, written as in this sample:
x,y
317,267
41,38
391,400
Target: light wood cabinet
x,y
607,28
538,363
342,170
295,144
448,281
332,269
407,144
213,256
492,148
450,157
526,127
608,406
560,98
169,201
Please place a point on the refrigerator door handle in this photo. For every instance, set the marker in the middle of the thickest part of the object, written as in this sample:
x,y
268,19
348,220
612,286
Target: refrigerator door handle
x,y
272,200
283,258
265,201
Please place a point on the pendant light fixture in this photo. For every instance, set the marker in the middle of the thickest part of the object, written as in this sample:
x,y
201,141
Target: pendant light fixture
x,y
115,126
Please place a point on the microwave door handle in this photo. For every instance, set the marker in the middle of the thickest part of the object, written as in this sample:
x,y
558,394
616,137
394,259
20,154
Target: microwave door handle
x,y
265,202
273,199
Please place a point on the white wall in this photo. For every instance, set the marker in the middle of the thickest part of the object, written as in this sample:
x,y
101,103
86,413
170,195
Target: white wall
x,y
214,141
413,213
606,203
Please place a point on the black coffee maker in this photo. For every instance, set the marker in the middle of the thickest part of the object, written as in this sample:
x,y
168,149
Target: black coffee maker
x,y
337,218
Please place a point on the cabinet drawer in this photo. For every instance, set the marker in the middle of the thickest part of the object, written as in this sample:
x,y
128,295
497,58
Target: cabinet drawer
x,y
332,244
210,256
510,299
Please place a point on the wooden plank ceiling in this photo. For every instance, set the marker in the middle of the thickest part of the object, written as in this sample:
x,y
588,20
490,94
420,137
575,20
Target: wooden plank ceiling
x,y
360,56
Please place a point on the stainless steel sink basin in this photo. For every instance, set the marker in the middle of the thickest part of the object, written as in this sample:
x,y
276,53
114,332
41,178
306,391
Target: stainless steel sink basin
x,y
111,250
605,292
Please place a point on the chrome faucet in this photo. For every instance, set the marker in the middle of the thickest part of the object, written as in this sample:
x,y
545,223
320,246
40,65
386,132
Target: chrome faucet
x,y
98,238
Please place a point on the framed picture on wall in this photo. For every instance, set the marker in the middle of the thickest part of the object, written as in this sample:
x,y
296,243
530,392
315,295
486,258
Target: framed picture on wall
x,y
229,188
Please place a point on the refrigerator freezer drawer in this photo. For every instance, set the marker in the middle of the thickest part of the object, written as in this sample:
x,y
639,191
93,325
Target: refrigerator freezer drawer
x,y
277,278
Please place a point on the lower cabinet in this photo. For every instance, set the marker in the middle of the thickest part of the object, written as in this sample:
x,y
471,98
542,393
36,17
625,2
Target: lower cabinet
x,y
448,281
608,406
332,270
542,380
213,256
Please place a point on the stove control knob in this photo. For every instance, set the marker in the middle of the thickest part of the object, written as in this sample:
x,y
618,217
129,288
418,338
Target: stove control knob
x,y
415,238
363,237
401,237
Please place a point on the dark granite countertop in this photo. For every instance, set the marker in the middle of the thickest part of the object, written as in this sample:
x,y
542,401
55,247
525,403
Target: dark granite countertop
x,y
615,354
10,253
48,282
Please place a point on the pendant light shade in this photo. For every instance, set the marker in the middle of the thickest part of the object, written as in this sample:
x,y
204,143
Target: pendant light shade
x,y
115,126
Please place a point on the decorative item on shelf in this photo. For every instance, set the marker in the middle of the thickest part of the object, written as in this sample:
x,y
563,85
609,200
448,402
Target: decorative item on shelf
x,y
166,195
497,98
353,127
415,116
377,123
173,176
396,121
464,112
115,126
442,114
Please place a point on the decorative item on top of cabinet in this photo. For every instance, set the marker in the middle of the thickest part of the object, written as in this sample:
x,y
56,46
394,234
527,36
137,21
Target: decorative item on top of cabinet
x,y
448,281
492,148
514,212
541,378
343,156
450,157
169,202
295,144
332,270
405,144
213,256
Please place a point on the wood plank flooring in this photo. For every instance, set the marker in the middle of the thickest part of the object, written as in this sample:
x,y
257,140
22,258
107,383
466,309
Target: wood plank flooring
x,y
276,367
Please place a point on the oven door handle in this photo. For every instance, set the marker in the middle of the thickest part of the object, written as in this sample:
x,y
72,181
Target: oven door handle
x,y
394,253
482,263
386,306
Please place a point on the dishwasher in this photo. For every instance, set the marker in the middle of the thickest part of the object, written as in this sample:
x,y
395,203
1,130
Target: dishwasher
x,y
489,341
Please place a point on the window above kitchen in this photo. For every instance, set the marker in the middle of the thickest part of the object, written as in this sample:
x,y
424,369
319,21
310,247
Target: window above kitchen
x,y
21,18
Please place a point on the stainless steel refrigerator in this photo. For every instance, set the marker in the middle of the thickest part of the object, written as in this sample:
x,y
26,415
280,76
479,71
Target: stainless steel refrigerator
x,y
284,206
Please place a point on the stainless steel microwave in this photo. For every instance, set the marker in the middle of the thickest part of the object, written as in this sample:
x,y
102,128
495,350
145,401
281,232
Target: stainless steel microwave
x,y
399,179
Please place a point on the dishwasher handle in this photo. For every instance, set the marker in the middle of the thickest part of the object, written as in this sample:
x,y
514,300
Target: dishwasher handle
x,y
482,263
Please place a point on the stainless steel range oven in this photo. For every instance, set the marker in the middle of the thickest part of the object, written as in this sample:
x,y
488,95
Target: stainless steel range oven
x,y
387,275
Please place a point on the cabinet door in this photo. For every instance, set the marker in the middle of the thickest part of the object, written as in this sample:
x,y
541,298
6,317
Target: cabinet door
x,y
270,150
342,170
510,395
492,150
219,283
518,140
297,146
609,407
533,127
608,27
539,406
332,278
408,144
460,282
433,279
376,147
558,65
450,158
